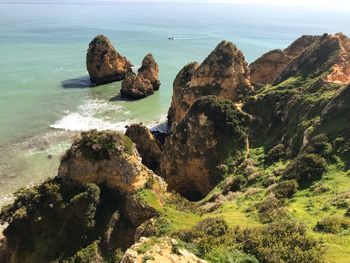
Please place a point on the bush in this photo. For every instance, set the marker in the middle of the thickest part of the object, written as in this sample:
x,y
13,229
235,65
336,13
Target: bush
x,y
319,145
285,189
277,153
87,255
271,209
221,255
333,224
306,169
214,227
281,242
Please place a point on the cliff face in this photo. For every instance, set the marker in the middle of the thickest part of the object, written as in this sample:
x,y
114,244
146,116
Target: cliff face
x,y
150,70
265,69
206,144
104,63
105,157
147,145
329,55
223,73
292,108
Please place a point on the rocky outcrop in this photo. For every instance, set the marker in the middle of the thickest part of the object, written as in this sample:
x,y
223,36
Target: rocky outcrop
x,y
149,70
105,157
143,84
136,87
146,144
330,55
266,68
104,63
223,73
203,147
160,250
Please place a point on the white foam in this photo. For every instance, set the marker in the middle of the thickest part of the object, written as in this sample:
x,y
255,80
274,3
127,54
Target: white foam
x,y
84,118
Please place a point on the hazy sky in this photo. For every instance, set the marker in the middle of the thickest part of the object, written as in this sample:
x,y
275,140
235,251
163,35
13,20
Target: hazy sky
x,y
339,3
343,5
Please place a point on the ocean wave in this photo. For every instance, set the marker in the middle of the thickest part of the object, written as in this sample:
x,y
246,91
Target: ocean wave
x,y
85,118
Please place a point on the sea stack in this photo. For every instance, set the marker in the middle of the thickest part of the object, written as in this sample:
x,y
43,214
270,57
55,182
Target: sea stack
x,y
104,63
150,70
144,83
223,73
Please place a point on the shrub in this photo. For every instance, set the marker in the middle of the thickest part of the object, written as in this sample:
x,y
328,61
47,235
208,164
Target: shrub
x,y
271,209
222,255
87,255
285,189
277,153
280,242
214,227
306,169
319,145
347,213
333,224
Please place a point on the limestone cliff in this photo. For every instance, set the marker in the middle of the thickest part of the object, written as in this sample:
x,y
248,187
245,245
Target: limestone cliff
x,y
328,56
104,63
223,73
146,144
265,69
105,157
206,144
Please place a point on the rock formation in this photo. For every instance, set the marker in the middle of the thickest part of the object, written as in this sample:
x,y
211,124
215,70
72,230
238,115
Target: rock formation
x,y
105,157
159,251
143,84
330,54
265,69
223,73
146,144
203,147
136,87
149,70
104,63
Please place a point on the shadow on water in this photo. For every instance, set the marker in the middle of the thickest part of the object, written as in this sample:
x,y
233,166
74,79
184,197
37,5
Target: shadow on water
x,y
119,97
77,83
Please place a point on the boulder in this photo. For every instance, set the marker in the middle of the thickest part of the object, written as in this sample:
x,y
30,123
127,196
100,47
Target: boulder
x,y
105,157
159,250
149,70
203,147
104,63
223,73
136,87
265,69
146,144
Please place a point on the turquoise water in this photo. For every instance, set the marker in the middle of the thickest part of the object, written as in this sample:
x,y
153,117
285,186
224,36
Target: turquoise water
x,y
45,97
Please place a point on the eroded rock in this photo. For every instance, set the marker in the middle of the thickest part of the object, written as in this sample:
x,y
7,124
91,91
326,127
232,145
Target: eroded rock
x,y
105,157
146,144
104,63
330,54
203,147
136,87
149,70
265,69
159,250
223,73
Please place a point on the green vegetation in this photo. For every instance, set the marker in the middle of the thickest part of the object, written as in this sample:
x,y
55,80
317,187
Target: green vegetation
x,y
306,169
283,241
95,145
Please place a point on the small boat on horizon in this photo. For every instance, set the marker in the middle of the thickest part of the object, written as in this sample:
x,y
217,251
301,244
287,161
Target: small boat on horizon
x,y
171,38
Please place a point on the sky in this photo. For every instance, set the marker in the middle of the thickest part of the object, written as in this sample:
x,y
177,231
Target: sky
x,y
333,4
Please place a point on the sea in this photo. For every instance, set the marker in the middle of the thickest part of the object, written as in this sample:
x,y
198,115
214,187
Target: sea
x,y
46,97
